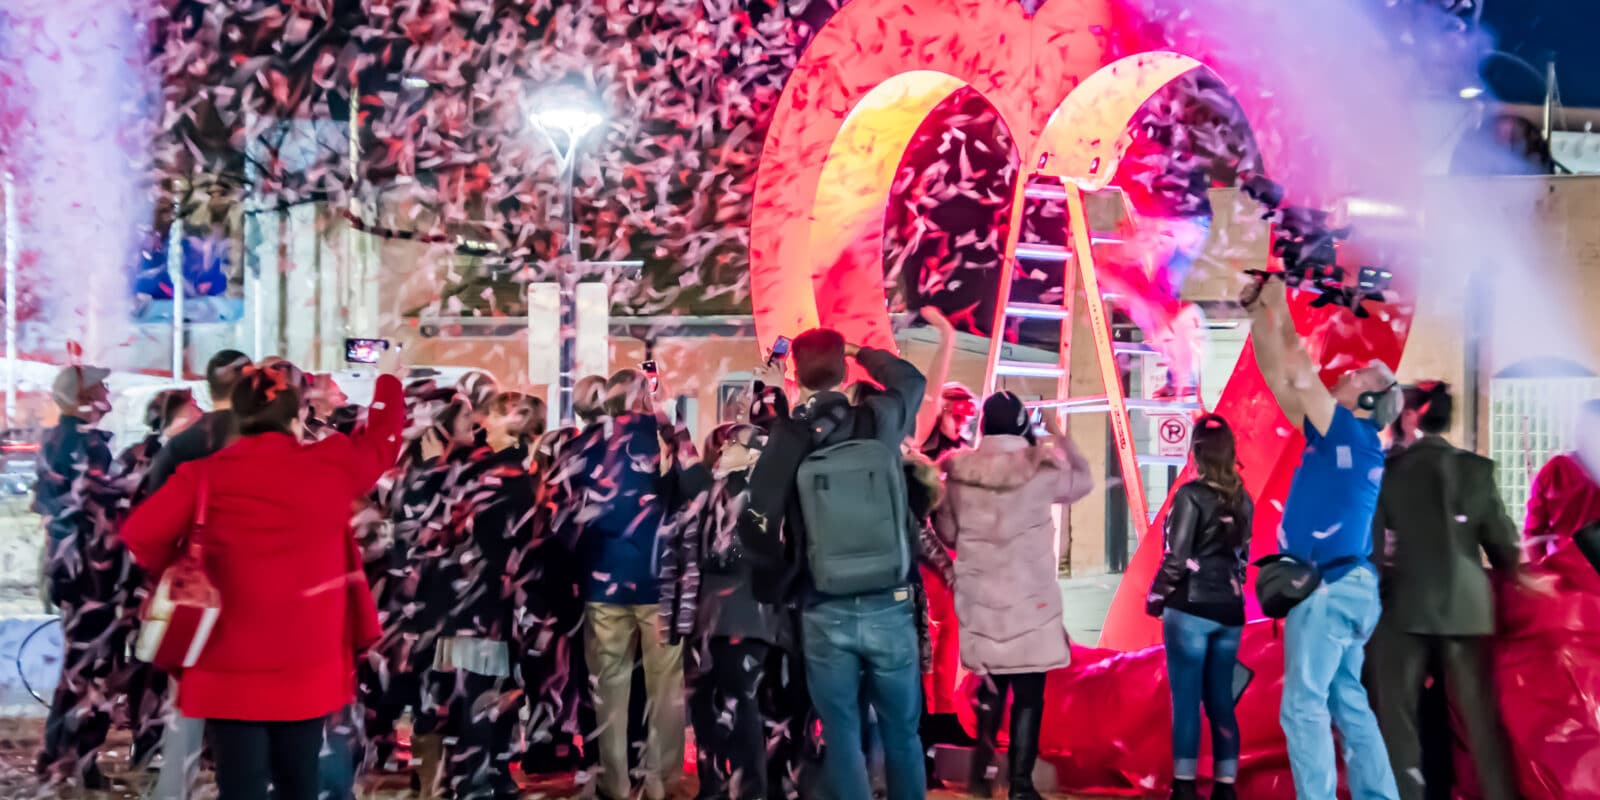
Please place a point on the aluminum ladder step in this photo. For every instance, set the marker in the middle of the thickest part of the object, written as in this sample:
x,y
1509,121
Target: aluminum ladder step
x,y
1045,191
1037,311
1067,402
1024,369
1039,251
1099,406
1134,349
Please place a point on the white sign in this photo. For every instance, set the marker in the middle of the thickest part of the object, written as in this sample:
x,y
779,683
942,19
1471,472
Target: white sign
x,y
1172,434
1152,375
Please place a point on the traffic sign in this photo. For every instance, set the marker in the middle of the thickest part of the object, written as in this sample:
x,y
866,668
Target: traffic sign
x,y
1172,434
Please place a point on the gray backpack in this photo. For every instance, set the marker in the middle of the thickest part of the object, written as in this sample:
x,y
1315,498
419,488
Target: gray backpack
x,y
853,500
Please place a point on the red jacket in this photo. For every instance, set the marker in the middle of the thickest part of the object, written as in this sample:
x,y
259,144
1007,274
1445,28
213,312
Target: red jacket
x,y
295,604
1563,499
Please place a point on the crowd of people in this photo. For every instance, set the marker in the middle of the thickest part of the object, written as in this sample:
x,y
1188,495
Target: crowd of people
x,y
802,590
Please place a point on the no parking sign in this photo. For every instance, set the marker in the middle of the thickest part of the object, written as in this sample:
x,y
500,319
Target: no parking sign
x,y
1172,434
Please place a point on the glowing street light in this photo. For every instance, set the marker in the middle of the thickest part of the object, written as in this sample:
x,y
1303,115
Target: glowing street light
x,y
574,121
573,116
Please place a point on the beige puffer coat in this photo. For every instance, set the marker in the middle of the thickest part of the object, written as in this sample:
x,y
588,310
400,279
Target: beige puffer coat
x,y
997,515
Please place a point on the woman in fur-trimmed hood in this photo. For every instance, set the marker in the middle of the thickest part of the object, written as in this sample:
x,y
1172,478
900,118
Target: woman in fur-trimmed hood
x,y
997,515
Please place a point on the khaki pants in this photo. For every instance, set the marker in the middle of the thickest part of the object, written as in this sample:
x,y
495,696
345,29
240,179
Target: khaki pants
x,y
610,635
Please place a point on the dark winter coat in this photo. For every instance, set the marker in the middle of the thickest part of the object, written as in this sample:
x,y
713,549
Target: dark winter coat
x,y
772,529
1208,546
612,482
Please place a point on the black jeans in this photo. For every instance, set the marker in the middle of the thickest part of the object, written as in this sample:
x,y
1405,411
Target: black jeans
x,y
725,711
482,720
253,755
77,724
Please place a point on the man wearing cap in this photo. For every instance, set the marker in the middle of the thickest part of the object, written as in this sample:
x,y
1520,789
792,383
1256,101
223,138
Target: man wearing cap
x,y
72,451
1327,522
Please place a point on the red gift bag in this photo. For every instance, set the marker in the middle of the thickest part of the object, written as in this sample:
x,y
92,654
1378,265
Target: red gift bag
x,y
178,617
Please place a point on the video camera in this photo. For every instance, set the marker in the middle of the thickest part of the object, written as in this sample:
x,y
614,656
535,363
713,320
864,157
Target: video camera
x,y
1308,246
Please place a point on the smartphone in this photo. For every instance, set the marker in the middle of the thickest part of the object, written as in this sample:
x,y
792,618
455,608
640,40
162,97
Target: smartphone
x,y
651,374
364,351
780,350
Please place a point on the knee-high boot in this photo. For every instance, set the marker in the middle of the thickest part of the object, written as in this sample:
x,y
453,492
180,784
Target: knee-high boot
x,y
1024,751
991,708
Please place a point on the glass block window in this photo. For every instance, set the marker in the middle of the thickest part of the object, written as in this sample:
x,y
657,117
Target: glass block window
x,y
1530,420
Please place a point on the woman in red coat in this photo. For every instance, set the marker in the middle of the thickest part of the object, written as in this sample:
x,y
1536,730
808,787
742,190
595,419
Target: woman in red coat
x,y
296,607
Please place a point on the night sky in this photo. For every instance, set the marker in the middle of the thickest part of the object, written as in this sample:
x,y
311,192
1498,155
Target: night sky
x,y
1537,30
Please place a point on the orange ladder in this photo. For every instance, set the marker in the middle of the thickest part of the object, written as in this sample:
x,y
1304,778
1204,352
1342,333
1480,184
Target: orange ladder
x,y
1079,248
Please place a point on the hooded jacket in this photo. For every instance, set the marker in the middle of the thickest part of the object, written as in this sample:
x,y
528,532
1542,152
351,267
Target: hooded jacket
x,y
997,515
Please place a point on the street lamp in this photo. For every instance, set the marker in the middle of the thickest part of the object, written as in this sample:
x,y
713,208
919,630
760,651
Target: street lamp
x,y
1545,77
572,116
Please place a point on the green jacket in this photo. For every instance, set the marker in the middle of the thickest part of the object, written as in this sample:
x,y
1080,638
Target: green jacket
x,y
1439,513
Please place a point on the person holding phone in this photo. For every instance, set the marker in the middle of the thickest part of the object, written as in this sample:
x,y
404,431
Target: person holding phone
x,y
997,515
279,547
1199,596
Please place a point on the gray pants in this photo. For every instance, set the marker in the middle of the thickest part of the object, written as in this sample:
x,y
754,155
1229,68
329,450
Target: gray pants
x,y
1398,663
180,758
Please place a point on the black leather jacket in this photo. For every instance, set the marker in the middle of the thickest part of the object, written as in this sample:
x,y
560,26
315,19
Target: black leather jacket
x,y
1208,547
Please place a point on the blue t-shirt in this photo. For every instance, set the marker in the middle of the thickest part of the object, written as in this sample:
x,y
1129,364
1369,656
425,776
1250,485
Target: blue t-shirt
x,y
1328,514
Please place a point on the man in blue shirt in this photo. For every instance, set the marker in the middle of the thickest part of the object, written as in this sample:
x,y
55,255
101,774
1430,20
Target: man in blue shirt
x,y
1327,521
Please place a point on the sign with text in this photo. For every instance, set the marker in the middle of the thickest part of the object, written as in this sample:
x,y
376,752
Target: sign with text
x,y
1172,434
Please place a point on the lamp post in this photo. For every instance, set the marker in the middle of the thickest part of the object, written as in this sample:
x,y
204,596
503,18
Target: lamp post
x,y
13,242
573,118
1545,77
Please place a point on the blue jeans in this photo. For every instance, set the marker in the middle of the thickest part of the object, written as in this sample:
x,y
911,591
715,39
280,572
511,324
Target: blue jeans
x,y
1201,655
1325,640
866,648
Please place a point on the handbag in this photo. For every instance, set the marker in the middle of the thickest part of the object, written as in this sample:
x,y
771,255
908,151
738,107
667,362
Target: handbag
x,y
1285,581
177,619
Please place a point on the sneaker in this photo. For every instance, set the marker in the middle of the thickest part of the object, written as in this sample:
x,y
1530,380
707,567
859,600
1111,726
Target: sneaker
x,y
1223,791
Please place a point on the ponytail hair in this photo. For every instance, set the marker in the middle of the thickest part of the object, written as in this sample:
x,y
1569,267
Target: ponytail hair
x,y
1217,460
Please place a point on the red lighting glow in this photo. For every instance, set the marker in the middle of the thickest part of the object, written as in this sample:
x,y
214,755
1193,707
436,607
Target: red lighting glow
x,y
868,80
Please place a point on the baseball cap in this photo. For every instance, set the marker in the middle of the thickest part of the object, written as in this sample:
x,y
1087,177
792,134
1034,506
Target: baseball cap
x,y
72,382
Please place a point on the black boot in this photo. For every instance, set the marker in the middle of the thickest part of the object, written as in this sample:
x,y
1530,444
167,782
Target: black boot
x,y
1184,790
1223,791
990,710
1024,751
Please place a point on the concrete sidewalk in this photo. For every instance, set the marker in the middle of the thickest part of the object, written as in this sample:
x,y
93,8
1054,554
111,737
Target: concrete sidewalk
x,y
1085,602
